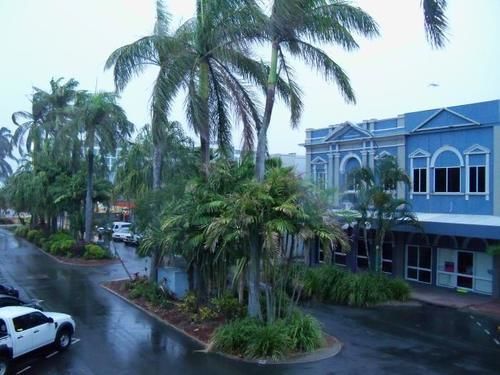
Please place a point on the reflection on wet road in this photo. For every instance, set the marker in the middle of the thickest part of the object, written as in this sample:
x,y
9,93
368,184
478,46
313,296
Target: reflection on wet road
x,y
117,338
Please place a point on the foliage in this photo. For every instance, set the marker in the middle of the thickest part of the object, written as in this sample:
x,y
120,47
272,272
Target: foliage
x,y
189,304
228,306
95,252
254,339
206,313
35,236
142,288
22,231
330,284
493,249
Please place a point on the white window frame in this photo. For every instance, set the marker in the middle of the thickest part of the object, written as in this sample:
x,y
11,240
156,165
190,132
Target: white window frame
x,y
477,180
419,153
420,169
417,268
478,150
339,253
387,260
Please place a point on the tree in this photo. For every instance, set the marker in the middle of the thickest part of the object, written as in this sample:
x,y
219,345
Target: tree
x,y
435,21
294,27
5,153
104,124
378,205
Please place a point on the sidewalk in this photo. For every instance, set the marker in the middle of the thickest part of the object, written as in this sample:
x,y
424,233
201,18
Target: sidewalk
x,y
452,298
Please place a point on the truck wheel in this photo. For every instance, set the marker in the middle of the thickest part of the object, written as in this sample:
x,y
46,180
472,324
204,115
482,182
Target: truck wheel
x,y
63,339
4,366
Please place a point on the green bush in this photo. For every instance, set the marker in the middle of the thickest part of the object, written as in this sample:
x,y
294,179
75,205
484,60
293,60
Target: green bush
x,y
95,252
142,288
189,304
254,339
35,236
228,306
304,332
330,284
22,231
206,313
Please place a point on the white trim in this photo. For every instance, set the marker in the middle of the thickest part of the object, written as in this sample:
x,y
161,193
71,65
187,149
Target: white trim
x,y
425,122
318,160
476,150
344,160
419,153
348,125
382,155
445,148
418,268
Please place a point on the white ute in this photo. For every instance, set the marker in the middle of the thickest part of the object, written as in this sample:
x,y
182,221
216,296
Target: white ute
x,y
24,329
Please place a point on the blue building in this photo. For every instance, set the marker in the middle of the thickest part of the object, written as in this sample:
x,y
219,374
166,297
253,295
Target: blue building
x,y
452,156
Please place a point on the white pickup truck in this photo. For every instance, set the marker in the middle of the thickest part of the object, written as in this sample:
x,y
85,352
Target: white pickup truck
x,y
24,329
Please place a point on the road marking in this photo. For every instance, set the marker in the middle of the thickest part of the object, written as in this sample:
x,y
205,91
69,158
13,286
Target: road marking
x,y
486,331
479,324
74,341
51,354
471,317
496,341
23,370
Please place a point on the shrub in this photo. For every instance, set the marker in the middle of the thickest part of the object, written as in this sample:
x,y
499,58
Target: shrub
x,y
330,284
228,306
61,247
189,304
95,252
254,339
35,236
206,313
22,231
78,249
304,332
149,291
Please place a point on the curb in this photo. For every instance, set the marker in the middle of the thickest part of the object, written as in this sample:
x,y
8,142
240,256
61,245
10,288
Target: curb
x,y
318,355
153,315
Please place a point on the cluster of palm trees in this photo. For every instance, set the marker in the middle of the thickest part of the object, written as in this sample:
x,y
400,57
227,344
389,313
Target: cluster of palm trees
x,y
57,142
211,59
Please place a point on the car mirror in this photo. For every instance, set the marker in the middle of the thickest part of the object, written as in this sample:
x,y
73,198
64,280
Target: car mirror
x,y
50,320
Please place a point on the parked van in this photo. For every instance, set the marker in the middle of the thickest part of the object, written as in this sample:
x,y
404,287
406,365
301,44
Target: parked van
x,y
119,225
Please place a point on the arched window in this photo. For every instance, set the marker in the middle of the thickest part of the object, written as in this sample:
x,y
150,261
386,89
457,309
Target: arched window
x,y
348,165
447,163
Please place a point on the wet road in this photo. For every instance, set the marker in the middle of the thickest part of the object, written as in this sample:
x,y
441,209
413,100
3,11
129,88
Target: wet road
x,y
116,338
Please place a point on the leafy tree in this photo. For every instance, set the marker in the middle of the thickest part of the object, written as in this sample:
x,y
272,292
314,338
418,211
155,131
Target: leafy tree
x,y
378,205
5,153
104,124
435,21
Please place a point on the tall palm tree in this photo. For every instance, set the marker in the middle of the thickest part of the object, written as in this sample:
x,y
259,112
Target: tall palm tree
x,y
104,124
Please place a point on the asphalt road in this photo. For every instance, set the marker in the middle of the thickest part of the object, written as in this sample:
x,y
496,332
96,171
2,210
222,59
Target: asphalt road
x,y
116,338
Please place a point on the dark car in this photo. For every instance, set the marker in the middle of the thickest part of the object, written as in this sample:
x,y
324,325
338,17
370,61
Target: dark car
x,y
14,301
8,290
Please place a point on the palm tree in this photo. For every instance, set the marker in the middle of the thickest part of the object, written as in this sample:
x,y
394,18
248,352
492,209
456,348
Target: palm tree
x,y
104,123
378,205
5,152
294,27
435,21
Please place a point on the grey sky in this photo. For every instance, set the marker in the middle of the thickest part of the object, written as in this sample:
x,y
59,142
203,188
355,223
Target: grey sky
x,y
392,74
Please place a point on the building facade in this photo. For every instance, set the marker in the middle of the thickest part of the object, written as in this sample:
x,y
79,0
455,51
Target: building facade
x,y
452,156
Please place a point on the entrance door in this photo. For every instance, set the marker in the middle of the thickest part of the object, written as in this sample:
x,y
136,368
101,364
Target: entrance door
x,y
465,269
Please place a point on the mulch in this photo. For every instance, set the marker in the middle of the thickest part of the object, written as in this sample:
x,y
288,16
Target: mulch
x,y
202,331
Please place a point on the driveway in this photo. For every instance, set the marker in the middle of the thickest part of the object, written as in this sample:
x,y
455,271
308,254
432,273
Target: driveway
x,y
117,338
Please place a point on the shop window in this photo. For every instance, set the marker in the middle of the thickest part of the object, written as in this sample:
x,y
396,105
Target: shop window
x,y
419,263
477,179
447,180
362,256
387,257
419,180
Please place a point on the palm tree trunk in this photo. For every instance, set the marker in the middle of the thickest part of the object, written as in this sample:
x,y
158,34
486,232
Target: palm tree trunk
x,y
157,159
90,187
254,310
205,125
260,161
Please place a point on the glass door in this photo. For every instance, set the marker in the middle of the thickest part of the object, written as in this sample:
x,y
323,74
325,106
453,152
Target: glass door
x,y
465,269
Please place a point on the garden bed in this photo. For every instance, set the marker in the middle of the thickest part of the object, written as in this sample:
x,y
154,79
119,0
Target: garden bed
x,y
203,332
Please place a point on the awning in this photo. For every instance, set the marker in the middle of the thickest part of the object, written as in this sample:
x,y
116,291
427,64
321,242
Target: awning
x,y
479,226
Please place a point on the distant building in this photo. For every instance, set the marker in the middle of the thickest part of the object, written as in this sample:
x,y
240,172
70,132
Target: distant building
x,y
298,162
452,156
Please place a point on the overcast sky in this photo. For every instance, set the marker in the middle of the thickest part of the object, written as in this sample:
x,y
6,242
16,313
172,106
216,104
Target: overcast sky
x,y
396,73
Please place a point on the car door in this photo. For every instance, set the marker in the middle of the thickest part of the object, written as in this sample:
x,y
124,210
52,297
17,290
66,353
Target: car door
x,y
43,331
23,336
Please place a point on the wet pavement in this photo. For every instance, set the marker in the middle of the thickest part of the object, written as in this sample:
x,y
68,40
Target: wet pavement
x,y
117,338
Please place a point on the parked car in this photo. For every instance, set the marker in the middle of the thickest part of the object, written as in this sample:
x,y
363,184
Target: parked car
x,y
120,234
15,301
117,225
24,329
8,290
133,239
